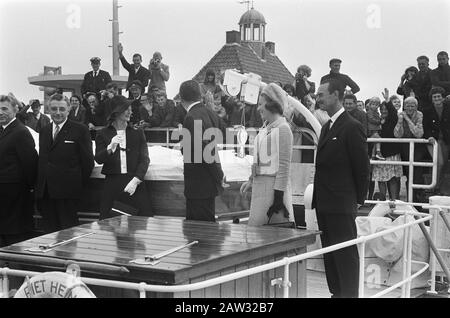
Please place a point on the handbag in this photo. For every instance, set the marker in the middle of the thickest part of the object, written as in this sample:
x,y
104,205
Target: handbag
x,y
287,224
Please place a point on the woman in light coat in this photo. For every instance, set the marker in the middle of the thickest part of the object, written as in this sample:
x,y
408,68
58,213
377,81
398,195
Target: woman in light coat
x,y
271,188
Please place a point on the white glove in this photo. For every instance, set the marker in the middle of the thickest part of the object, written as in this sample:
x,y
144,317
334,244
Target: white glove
x,y
132,185
115,141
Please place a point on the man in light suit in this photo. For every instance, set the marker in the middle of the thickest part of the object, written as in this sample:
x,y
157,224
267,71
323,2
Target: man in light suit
x,y
18,167
65,164
202,178
340,185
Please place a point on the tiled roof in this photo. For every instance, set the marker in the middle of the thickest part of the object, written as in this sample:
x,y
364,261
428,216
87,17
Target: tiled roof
x,y
243,58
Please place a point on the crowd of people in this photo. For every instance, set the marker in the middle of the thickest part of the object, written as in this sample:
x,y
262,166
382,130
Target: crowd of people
x,y
57,175
424,114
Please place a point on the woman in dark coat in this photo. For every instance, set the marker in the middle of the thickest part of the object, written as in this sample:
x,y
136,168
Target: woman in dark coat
x,y
124,154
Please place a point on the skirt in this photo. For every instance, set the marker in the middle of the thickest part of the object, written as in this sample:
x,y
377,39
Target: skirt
x,y
383,173
262,199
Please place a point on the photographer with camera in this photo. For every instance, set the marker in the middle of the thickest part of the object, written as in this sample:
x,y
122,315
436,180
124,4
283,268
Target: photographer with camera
x,y
405,88
159,73
302,86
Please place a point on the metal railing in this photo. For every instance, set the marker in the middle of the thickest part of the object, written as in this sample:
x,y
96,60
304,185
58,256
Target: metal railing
x,y
437,213
411,163
285,262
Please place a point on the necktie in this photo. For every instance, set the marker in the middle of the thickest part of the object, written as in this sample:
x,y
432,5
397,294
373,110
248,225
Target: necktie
x,y
56,132
327,128
95,74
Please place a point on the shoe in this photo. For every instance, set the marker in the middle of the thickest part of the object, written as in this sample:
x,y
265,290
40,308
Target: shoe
x,y
378,156
378,196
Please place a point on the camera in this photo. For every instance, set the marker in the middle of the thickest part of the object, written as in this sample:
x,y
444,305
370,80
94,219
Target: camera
x,y
155,62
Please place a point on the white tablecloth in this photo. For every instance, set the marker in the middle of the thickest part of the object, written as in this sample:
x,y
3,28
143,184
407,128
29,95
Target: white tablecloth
x,y
167,164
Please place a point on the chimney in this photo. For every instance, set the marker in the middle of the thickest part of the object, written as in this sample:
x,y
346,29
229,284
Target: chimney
x,y
233,37
270,46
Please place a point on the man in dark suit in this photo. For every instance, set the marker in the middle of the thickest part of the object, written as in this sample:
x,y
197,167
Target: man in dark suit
x,y
35,119
18,167
343,79
65,164
340,184
95,81
135,71
203,175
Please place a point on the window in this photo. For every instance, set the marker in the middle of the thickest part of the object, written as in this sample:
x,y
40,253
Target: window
x,y
248,31
256,32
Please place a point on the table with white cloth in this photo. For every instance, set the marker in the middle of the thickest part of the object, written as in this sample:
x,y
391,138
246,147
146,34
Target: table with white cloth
x,y
164,180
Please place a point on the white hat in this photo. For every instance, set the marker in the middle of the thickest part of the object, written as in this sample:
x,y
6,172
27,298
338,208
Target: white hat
x,y
277,94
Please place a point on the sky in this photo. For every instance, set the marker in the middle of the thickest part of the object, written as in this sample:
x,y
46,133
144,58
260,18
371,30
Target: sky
x,y
376,40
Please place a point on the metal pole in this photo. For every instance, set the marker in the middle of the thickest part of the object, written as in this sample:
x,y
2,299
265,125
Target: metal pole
x,y
409,259
142,293
442,214
411,171
405,255
5,283
434,249
433,227
362,255
115,37
286,282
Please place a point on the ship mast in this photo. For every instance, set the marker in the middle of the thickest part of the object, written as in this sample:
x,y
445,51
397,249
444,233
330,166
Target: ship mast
x,y
115,37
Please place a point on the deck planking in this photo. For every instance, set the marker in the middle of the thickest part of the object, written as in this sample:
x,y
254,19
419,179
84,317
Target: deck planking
x,y
118,240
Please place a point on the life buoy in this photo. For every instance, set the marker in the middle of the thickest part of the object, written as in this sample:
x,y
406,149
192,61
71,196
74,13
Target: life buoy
x,y
54,285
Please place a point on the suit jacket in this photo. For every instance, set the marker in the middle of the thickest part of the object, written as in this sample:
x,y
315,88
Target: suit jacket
x,y
36,124
18,156
18,169
165,114
81,115
179,115
136,151
142,75
65,164
202,180
432,125
342,167
95,85
343,79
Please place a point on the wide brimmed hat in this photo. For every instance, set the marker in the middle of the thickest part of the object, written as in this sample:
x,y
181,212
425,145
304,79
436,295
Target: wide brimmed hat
x,y
119,104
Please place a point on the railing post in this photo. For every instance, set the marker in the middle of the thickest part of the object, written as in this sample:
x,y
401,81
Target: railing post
x,y
286,282
142,293
167,137
434,169
408,268
405,256
5,282
362,256
411,171
433,230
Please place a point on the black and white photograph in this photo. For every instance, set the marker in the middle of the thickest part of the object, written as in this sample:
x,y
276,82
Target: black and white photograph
x,y
225,154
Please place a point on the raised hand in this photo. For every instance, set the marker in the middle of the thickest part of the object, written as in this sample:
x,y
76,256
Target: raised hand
x,y
385,94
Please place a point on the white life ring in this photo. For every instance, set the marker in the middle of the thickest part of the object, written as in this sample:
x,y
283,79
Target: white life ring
x,y
54,285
